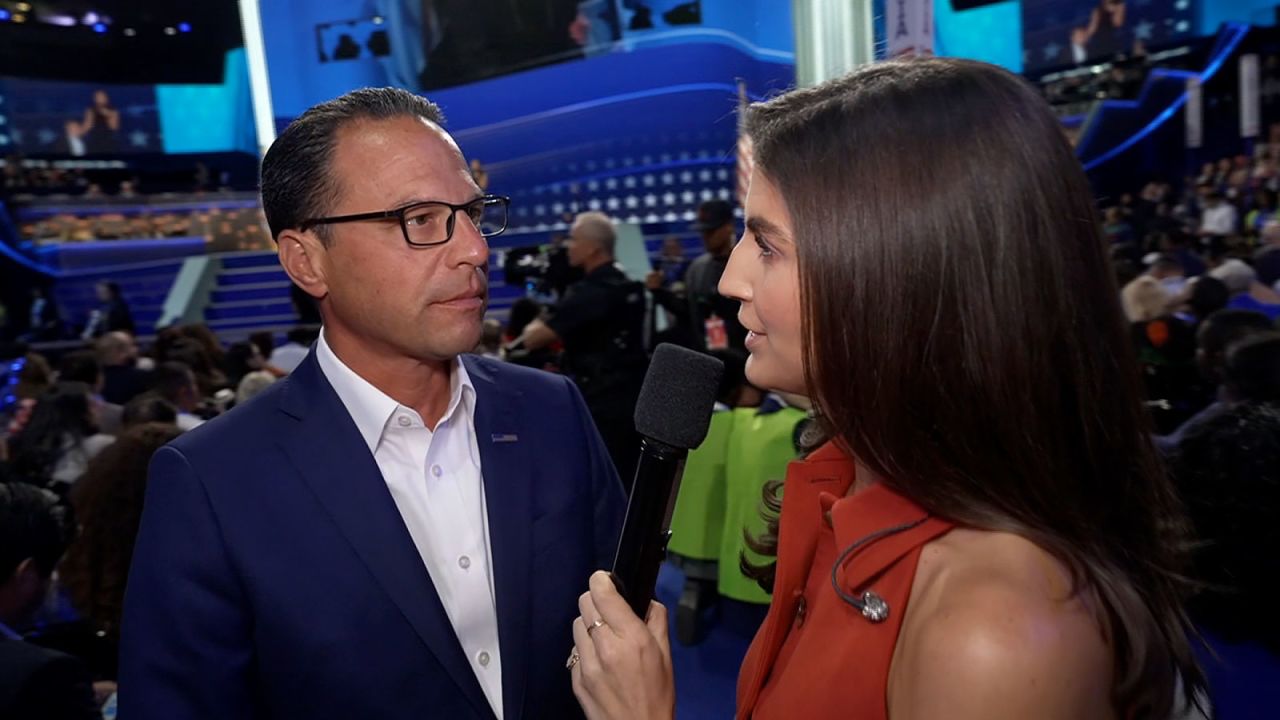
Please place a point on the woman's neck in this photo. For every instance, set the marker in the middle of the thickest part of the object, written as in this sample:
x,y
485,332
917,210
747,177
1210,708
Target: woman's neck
x,y
863,479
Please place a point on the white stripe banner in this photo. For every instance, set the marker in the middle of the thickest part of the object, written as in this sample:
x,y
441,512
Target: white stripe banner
x,y
1250,110
1194,111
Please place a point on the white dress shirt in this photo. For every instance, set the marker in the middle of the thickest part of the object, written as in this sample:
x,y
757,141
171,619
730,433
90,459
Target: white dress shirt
x,y
435,480
1220,220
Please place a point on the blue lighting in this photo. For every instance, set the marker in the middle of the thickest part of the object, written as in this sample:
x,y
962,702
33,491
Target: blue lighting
x,y
184,27
4,14
99,27
1209,71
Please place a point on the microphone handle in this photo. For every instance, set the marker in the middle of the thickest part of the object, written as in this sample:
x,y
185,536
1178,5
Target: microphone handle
x,y
645,532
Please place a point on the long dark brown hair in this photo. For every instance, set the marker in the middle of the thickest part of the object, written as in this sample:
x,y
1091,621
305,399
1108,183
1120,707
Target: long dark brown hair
x,y
108,503
964,339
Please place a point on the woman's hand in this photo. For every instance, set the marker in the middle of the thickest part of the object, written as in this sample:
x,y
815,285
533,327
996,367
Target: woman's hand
x,y
623,666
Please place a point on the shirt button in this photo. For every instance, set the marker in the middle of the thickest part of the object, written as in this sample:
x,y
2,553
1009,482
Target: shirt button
x,y
464,562
435,470
404,421
483,659
801,609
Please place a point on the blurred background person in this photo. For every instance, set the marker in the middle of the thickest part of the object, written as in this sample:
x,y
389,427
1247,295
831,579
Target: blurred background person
x,y
108,506
711,318
600,320
35,683
123,379
59,440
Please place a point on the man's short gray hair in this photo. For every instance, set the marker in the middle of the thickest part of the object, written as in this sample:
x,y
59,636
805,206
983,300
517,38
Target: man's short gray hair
x,y
598,228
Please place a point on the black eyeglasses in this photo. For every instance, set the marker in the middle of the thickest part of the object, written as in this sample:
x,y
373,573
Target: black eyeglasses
x,y
431,223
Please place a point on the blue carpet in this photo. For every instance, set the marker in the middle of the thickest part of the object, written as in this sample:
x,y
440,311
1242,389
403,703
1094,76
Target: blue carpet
x,y
707,673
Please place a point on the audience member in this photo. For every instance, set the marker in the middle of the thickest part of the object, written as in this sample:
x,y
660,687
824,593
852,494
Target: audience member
x,y
1144,299
1168,271
1253,369
672,263
491,340
242,358
148,408
266,344
1228,472
1219,219
247,371
45,317
1266,260
1180,245
123,380
59,440
176,383
712,319
1215,336
289,356
82,366
35,683
108,505
1207,296
113,315
34,378
1246,292
208,342
191,353
252,385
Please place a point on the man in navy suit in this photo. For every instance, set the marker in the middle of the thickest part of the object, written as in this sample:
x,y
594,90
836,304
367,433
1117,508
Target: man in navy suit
x,y
397,530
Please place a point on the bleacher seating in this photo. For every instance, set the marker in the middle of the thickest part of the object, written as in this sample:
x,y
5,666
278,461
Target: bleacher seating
x,y
145,287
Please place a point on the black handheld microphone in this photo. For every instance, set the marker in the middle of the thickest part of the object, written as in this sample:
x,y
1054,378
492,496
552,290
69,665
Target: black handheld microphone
x,y
672,416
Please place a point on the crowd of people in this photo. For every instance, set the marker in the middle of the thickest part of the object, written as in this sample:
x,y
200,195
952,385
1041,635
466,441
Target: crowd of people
x,y
78,436
224,230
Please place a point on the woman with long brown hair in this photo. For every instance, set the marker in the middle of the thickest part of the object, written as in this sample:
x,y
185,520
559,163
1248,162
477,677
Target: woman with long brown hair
x,y
985,530
108,505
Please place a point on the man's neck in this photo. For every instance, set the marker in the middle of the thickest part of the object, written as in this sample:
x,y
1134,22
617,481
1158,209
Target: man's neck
x,y
423,386
591,266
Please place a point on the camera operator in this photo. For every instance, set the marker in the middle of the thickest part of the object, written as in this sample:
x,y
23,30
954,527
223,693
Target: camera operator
x,y
600,320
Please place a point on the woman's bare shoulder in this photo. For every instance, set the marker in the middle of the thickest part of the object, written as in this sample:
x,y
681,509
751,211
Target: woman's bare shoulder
x,y
994,630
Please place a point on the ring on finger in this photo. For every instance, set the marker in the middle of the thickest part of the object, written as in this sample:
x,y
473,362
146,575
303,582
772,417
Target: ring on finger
x,y
574,657
595,626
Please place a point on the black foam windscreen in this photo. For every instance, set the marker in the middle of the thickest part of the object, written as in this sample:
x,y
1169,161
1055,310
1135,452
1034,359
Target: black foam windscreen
x,y
678,396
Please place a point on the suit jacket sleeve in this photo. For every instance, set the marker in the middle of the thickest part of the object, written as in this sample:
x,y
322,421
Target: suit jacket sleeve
x,y
606,490
186,647
60,689
671,302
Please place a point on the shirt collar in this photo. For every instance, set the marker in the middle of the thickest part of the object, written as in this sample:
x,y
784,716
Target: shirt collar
x,y
372,409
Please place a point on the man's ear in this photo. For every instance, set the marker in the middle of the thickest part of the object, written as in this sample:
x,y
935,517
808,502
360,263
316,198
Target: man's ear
x,y
303,257
26,575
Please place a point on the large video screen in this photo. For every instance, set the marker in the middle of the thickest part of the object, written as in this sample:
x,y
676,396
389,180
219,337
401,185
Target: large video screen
x,y
57,118
1064,33
444,43
79,119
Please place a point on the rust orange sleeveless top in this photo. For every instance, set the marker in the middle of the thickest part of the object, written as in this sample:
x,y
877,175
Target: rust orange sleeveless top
x,y
817,656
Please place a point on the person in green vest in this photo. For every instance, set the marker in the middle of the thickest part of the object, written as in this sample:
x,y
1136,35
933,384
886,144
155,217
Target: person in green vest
x,y
697,522
762,443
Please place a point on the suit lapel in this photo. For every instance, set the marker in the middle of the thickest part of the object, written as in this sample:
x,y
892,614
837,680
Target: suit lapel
x,y
335,462
504,463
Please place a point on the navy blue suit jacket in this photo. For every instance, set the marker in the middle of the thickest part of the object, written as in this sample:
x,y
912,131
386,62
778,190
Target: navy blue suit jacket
x,y
273,576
